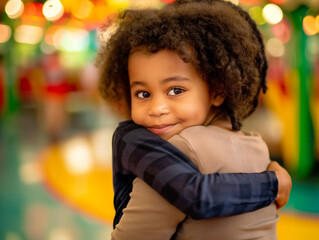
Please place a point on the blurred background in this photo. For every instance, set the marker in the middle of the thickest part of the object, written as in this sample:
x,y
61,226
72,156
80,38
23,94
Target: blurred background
x,y
55,130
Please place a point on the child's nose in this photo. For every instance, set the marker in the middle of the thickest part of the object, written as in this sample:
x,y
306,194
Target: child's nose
x,y
158,107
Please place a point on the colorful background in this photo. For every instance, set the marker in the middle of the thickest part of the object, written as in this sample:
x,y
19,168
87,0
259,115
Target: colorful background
x,y
55,130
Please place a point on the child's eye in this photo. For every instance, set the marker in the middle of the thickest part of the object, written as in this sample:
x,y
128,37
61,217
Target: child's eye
x,y
143,94
175,91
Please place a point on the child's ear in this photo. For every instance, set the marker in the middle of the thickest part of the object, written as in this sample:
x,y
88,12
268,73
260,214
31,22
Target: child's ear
x,y
217,99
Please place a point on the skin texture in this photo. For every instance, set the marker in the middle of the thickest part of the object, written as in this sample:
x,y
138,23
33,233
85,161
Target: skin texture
x,y
167,94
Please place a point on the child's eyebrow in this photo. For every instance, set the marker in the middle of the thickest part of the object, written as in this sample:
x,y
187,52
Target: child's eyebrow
x,y
136,83
174,78
165,80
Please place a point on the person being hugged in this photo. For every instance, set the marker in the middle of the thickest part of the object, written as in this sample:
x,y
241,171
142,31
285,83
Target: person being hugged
x,y
187,75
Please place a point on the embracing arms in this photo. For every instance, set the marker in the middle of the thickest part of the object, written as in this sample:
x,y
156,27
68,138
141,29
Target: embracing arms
x,y
138,152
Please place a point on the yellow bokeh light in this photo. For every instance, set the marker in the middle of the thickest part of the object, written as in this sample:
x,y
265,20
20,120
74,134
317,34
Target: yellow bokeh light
x,y
5,33
256,14
82,9
28,34
309,25
118,4
317,22
14,8
53,10
272,13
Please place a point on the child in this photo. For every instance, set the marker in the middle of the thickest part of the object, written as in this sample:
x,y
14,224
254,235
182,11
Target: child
x,y
204,74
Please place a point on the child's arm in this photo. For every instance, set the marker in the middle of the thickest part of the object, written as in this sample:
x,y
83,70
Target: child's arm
x,y
169,172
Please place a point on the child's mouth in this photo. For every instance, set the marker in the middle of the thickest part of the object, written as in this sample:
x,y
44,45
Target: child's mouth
x,y
160,129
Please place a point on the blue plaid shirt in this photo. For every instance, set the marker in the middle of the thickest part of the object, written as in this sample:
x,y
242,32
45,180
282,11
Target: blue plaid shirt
x,y
139,153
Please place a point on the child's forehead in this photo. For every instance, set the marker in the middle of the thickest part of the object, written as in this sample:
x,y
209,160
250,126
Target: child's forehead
x,y
183,51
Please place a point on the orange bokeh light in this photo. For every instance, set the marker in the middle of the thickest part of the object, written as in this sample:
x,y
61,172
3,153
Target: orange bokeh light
x,y
309,25
278,1
249,2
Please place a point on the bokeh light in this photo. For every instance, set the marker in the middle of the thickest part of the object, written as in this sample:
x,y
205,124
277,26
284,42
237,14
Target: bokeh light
x,y
14,8
71,39
78,156
168,1
53,10
282,31
309,25
257,15
57,131
236,2
30,172
272,13
61,234
275,47
5,33
278,1
28,34
82,9
118,4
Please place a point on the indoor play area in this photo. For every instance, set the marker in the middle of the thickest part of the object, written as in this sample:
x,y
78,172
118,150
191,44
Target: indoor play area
x,y
56,130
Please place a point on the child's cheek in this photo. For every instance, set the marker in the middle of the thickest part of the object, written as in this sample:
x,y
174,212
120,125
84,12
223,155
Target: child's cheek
x,y
136,114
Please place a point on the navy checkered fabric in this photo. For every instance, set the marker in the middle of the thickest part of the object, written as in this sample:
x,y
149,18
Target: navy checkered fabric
x,y
139,153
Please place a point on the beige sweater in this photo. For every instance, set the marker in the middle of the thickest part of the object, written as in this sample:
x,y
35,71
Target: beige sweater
x,y
212,149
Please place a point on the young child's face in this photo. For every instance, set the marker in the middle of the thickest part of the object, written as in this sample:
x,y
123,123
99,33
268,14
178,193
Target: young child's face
x,y
167,94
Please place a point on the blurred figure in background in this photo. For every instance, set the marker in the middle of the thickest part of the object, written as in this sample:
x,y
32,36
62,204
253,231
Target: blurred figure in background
x,y
54,112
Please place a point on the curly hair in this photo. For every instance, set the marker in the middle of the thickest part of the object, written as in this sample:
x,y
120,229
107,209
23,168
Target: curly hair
x,y
218,38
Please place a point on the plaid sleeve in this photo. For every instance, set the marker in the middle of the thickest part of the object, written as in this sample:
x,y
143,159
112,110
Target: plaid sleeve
x,y
141,153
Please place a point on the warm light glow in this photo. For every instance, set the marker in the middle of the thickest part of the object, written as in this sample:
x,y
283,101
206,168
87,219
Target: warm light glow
x,y
118,4
275,47
142,4
60,234
168,1
309,25
278,1
272,13
249,2
71,40
282,31
77,155
53,10
233,1
317,22
28,34
102,145
30,173
105,34
14,8
82,9
5,33
257,15
49,34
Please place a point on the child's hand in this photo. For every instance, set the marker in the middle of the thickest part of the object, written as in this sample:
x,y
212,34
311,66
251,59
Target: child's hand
x,y
284,183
